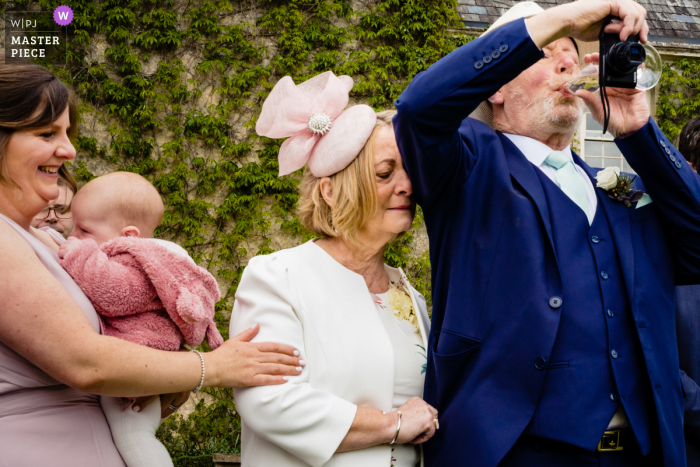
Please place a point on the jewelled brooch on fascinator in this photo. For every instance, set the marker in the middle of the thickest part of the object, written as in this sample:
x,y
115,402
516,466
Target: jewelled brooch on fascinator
x,y
322,133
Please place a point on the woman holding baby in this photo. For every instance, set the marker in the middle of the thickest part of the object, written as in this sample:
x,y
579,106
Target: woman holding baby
x,y
357,323
52,354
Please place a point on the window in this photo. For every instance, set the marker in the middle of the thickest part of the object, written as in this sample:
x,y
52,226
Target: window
x,y
598,149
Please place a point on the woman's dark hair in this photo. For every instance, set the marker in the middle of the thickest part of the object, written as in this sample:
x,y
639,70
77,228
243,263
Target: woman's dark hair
x,y
689,143
31,97
65,178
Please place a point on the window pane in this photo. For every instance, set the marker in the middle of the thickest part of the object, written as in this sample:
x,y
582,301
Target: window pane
x,y
595,162
611,150
612,162
593,128
626,167
593,148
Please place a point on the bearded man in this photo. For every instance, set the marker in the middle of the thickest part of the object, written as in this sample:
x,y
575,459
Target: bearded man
x,y
553,336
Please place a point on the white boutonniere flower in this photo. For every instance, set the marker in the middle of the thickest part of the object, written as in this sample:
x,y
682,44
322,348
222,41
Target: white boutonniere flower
x,y
607,178
618,186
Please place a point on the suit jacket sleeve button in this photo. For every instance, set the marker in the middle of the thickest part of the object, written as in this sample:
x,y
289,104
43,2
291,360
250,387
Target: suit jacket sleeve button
x,y
503,49
668,151
661,142
678,165
487,59
495,54
555,302
672,157
540,363
478,64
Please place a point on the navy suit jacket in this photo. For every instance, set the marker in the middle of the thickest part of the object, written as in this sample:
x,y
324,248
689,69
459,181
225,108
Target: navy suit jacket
x,y
688,329
494,268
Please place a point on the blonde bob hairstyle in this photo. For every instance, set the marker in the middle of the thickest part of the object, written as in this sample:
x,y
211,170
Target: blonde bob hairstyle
x,y
354,193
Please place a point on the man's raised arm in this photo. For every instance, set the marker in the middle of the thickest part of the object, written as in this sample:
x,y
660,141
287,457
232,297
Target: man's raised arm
x,y
433,107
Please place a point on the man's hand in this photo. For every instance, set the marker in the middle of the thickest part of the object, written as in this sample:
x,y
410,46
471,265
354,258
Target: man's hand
x,y
70,244
166,400
584,18
629,110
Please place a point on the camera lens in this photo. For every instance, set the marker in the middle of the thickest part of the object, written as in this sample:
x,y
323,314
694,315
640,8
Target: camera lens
x,y
625,57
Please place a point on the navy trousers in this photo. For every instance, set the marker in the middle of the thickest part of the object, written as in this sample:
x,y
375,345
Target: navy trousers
x,y
537,452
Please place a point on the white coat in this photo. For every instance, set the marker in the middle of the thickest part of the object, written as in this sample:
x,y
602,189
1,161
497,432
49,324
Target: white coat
x,y
302,297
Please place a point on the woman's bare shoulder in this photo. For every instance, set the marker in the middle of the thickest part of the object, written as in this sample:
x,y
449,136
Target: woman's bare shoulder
x,y
14,246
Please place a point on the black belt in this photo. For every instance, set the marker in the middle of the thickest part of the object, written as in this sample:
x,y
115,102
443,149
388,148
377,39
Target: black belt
x,y
615,440
612,441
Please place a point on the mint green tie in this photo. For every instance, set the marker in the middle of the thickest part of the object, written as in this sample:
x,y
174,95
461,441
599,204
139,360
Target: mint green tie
x,y
569,180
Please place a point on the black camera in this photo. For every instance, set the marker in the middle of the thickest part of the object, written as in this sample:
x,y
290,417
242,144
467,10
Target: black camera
x,y
619,59
618,65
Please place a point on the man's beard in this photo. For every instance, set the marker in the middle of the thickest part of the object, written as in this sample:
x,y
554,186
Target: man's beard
x,y
559,113
552,113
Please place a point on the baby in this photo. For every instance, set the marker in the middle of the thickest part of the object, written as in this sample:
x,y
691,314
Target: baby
x,y
146,291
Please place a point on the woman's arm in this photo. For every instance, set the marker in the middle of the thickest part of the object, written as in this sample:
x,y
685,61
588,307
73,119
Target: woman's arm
x,y
372,427
42,322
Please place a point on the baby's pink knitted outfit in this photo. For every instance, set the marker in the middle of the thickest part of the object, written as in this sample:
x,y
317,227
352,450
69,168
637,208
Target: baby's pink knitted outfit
x,y
146,293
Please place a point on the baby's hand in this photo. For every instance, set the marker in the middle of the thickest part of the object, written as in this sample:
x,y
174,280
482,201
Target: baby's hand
x,y
69,245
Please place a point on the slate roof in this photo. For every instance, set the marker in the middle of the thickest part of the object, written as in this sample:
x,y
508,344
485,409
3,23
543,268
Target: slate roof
x,y
676,19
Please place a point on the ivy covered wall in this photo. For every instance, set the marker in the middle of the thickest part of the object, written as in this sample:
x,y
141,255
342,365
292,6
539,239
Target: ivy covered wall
x,y
679,96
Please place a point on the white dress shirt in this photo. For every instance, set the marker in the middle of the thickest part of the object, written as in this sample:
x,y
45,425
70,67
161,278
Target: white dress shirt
x,y
536,152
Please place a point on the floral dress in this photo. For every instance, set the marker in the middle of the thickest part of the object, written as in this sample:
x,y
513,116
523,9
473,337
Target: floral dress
x,y
410,359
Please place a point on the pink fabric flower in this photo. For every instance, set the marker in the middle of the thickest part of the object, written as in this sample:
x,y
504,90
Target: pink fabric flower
x,y
321,133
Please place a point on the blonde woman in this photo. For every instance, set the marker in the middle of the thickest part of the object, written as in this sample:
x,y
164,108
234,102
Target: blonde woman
x,y
358,324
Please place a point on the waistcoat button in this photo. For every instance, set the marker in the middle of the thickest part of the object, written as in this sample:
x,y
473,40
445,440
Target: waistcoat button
x,y
610,313
614,397
540,363
595,239
613,353
604,275
555,302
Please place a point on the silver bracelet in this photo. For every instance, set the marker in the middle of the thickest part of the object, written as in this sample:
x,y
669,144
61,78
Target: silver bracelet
x,y
398,428
201,382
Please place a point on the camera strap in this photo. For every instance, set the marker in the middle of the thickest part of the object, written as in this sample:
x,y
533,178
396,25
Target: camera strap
x,y
606,103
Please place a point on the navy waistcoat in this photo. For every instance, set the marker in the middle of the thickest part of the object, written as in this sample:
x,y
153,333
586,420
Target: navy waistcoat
x,y
596,336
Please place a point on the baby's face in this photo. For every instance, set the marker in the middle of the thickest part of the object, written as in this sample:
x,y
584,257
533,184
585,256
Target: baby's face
x,y
93,220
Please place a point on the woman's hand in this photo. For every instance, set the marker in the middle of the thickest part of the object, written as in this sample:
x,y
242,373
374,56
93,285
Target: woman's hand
x,y
417,421
239,363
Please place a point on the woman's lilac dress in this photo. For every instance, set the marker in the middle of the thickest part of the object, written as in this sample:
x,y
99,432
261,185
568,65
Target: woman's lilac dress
x,y
44,422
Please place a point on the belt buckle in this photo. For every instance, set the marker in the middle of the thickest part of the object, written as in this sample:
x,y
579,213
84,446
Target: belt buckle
x,y
610,441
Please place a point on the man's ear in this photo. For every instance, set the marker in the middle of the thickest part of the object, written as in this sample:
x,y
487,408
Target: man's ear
x,y
496,99
327,190
130,231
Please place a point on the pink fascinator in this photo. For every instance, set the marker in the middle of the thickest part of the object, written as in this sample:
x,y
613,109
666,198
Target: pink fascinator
x,y
321,133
